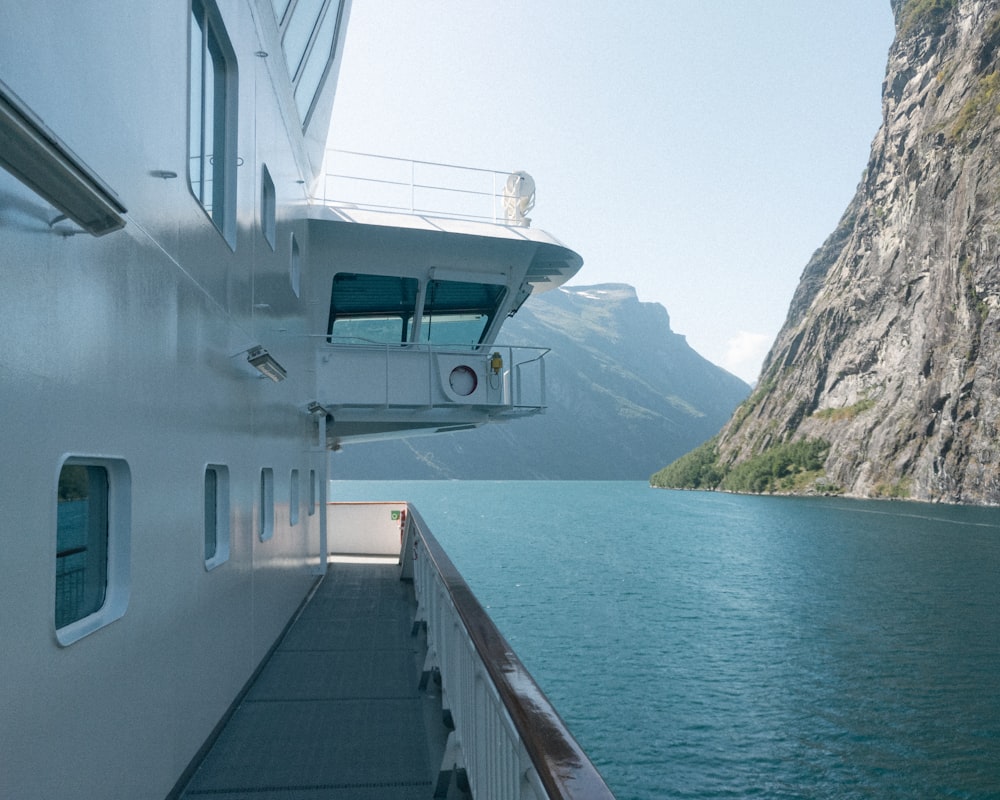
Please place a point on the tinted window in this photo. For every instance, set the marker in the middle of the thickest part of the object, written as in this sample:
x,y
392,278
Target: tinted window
x,y
212,135
81,542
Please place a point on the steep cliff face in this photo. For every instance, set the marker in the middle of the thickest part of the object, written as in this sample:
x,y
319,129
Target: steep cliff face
x,y
891,348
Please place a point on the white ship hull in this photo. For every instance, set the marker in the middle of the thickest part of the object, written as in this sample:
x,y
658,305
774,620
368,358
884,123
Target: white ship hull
x,y
127,350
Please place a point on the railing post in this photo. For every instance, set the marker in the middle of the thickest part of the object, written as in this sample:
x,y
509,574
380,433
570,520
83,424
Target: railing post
x,y
493,198
541,372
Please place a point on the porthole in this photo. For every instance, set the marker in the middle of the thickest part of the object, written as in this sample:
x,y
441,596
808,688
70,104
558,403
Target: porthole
x,y
463,380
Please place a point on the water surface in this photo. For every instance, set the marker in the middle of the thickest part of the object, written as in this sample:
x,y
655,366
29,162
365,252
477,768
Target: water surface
x,y
705,645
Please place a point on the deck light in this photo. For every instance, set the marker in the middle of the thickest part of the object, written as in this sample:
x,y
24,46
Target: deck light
x,y
39,159
265,364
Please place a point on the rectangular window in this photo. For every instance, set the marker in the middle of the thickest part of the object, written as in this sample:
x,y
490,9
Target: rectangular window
x,y
212,147
316,64
380,309
280,7
92,545
293,498
295,266
266,504
313,492
82,542
371,308
268,207
216,515
299,31
458,313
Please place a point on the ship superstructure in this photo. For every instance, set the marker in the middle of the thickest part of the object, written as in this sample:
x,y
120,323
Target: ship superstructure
x,y
187,332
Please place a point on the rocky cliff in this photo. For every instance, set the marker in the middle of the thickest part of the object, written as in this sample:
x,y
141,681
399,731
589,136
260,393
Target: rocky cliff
x,y
890,353
623,390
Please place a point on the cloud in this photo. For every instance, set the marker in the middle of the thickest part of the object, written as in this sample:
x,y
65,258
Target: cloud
x,y
744,353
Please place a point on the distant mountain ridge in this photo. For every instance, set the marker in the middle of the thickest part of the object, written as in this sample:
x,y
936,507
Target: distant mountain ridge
x,y
624,393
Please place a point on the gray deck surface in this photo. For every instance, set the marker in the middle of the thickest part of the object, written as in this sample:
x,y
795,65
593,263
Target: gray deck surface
x,y
336,712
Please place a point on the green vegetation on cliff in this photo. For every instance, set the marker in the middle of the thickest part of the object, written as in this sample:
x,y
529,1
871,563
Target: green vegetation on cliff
x,y
785,467
921,14
698,469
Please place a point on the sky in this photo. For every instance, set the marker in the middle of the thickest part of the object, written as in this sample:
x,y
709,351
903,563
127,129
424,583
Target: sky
x,y
699,150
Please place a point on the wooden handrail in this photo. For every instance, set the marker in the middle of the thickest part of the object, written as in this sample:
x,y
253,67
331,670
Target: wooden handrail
x,y
563,769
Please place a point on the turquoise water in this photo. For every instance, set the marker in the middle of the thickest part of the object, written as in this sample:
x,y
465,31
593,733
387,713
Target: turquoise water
x,y
705,645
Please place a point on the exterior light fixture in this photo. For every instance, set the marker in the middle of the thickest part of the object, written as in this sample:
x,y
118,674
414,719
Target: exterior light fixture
x,y
39,159
316,408
265,364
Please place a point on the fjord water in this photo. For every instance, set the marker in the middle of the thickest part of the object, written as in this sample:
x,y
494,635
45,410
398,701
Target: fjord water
x,y
705,645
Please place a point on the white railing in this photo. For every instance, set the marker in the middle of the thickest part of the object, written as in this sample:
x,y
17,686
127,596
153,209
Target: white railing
x,y
508,740
368,374
384,183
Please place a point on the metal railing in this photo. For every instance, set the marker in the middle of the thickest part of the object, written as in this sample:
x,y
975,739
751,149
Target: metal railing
x,y
71,580
385,183
404,380
508,738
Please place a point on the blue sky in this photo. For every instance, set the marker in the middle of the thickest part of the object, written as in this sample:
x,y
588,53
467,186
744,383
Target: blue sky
x,y
698,150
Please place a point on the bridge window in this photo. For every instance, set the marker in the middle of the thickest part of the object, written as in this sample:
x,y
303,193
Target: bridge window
x,y
212,140
368,309
381,308
458,313
92,546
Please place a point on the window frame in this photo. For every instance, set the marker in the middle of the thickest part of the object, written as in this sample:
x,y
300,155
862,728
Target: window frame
x,y
220,516
215,64
311,35
314,68
313,492
371,307
265,529
117,556
294,494
268,207
295,265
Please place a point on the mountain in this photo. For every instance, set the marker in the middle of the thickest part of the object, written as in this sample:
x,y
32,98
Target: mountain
x,y
622,388
884,379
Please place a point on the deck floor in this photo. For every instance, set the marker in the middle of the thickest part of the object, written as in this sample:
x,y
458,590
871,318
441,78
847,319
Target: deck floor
x,y
336,712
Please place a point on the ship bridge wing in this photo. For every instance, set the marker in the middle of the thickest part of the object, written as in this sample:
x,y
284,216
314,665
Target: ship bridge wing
x,y
406,343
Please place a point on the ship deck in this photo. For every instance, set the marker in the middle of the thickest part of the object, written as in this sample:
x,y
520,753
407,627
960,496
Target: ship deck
x,y
336,711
